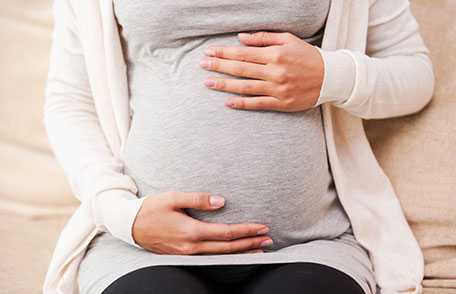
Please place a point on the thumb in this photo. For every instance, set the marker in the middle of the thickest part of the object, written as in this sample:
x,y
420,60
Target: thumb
x,y
198,200
265,38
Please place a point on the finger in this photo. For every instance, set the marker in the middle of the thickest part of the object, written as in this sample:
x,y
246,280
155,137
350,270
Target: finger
x,y
238,68
241,86
256,103
226,232
266,38
242,53
238,245
198,200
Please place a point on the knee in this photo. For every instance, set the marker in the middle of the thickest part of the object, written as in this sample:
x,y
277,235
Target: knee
x,y
319,276
306,278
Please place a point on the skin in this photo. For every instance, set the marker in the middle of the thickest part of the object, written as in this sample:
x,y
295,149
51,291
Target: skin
x,y
286,74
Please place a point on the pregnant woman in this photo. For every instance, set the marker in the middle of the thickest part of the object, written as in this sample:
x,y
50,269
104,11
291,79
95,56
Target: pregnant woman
x,y
224,173
270,167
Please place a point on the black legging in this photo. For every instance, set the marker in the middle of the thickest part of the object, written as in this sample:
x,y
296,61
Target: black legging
x,y
283,278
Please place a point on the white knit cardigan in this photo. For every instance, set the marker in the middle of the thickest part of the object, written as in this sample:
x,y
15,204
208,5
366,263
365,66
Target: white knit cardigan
x,y
87,118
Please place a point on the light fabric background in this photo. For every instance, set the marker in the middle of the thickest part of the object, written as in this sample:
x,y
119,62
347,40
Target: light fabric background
x,y
416,151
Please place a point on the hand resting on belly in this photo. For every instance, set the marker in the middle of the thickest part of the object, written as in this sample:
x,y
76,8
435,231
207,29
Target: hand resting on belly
x,y
162,226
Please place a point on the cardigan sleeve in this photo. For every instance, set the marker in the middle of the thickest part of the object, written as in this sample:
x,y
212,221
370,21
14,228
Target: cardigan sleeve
x,y
75,135
393,78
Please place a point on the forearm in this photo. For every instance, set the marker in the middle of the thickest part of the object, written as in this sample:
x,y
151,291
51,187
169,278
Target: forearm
x,y
374,88
94,174
76,137
394,77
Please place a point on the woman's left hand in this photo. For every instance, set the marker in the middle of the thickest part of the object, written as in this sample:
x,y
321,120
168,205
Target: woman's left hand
x,y
285,72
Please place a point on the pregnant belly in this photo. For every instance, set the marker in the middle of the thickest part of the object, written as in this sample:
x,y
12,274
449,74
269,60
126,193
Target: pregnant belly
x,y
271,167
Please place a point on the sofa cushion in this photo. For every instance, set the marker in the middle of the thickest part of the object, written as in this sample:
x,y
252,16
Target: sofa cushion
x,y
418,151
29,176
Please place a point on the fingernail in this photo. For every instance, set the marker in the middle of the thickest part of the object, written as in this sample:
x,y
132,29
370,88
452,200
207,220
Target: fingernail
x,y
266,243
205,63
263,231
209,51
209,83
244,35
216,201
229,103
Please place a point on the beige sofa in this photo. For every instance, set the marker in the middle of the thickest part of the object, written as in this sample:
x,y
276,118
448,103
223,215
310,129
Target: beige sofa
x,y
417,151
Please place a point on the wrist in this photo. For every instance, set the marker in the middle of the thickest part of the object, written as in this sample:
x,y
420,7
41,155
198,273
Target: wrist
x,y
115,211
339,76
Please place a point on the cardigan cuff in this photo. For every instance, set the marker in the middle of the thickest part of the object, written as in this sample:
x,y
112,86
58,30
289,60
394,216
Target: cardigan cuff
x,y
115,211
339,76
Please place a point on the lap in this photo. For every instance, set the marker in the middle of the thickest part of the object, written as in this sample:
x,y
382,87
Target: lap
x,y
160,280
285,278
300,277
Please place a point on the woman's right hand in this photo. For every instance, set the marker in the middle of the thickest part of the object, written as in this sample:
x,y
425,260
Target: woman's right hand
x,y
161,226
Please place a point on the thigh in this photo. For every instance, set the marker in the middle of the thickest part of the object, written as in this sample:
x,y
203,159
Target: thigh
x,y
300,277
160,280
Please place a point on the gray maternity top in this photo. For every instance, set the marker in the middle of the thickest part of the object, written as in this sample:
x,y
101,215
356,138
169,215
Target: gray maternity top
x,y
271,167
